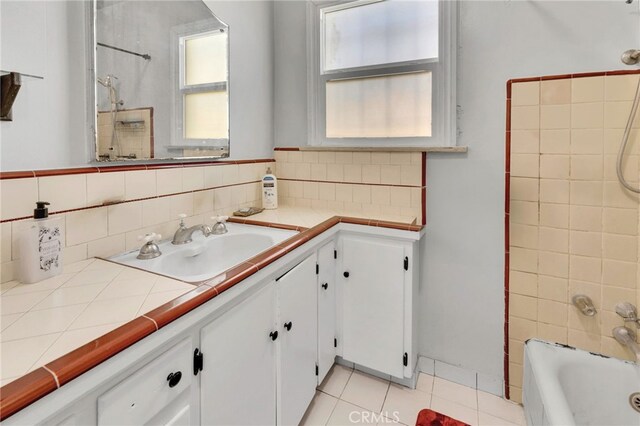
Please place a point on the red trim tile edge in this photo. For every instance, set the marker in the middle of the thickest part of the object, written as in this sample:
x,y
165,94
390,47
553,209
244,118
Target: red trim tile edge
x,y
33,386
286,148
565,76
25,390
349,183
125,167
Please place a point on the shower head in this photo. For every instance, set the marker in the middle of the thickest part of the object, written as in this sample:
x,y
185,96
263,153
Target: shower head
x,y
631,57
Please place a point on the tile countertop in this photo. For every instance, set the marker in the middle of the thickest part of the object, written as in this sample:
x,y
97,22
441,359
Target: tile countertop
x,y
309,217
70,325
41,322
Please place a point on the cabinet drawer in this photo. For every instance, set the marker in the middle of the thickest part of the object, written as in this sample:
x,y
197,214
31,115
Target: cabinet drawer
x,y
143,395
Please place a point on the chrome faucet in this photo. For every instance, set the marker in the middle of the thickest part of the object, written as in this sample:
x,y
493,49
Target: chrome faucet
x,y
628,312
150,249
220,227
627,337
183,234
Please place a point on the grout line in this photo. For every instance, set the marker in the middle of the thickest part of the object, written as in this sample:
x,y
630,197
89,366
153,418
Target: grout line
x,y
55,376
154,321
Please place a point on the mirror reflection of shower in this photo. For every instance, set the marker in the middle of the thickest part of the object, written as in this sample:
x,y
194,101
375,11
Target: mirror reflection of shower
x,y
115,103
629,57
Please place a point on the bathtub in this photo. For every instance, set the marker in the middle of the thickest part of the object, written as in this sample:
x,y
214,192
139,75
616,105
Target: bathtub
x,y
568,386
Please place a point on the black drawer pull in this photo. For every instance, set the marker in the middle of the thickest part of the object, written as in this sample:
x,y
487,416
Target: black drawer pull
x,y
273,335
174,378
288,325
325,285
346,274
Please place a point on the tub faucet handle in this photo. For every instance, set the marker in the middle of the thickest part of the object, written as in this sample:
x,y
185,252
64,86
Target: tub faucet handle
x,y
584,304
628,312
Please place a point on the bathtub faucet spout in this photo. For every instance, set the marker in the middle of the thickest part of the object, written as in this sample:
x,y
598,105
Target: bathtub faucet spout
x,y
627,337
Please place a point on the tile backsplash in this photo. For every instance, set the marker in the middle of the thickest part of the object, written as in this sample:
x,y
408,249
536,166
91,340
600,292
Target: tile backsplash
x,y
377,183
106,209
134,132
571,228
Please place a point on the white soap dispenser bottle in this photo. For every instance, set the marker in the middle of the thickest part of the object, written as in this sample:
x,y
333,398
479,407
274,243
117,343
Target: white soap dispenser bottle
x,y
40,246
269,191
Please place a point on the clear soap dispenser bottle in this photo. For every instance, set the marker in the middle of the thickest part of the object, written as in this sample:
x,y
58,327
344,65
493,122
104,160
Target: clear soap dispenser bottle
x,y
40,246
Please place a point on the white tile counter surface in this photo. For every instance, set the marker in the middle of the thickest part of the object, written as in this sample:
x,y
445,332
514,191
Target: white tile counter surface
x,y
43,321
309,217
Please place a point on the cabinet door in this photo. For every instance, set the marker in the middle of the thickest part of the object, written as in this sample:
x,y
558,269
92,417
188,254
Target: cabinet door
x,y
148,396
297,298
326,309
238,384
372,303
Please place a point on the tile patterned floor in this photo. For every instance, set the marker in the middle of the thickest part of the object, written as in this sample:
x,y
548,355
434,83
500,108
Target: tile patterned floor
x,y
351,397
43,321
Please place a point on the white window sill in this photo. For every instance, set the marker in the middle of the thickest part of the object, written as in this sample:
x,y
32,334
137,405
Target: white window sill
x,y
453,149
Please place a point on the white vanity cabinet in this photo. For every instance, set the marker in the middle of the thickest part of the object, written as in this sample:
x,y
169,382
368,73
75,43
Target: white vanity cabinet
x,y
376,290
297,341
326,286
255,354
238,379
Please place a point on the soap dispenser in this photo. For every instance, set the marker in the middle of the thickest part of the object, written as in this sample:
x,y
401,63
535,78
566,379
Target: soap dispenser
x,y
269,191
40,246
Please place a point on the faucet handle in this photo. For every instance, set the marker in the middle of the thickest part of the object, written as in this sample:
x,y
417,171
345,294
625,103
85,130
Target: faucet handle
x,y
150,237
182,216
220,219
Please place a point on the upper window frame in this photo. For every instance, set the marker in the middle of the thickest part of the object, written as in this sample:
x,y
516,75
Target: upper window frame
x,y
443,74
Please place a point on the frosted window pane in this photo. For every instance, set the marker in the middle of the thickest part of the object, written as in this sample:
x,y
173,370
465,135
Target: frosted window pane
x,y
205,115
381,33
380,107
206,59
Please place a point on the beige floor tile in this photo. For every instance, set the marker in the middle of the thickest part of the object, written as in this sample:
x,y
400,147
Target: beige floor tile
x,y
485,419
454,410
403,404
348,414
499,407
336,380
319,410
455,392
365,391
425,382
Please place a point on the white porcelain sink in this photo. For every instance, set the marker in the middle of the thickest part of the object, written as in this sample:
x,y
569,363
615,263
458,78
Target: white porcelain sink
x,y
204,258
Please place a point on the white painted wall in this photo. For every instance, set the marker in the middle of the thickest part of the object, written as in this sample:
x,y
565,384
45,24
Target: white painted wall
x,y
49,127
46,39
462,306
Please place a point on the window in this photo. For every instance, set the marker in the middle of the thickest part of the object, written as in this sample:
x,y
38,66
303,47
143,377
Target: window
x,y
201,115
382,73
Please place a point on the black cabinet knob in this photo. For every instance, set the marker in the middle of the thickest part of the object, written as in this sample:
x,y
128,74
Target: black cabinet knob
x,y
174,378
346,274
273,335
325,285
288,325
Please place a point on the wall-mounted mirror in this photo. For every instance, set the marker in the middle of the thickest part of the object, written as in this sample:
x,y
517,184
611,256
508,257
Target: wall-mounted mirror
x,y
161,80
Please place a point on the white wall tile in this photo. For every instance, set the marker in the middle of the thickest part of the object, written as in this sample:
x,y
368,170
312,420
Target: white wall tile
x,y
125,217
168,181
104,187
63,192
140,184
18,197
86,225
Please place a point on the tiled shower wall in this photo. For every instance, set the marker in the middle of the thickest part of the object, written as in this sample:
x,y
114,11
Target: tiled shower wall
x,y
132,139
571,228
106,209
390,184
